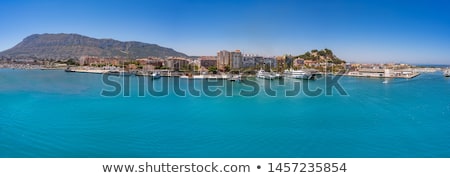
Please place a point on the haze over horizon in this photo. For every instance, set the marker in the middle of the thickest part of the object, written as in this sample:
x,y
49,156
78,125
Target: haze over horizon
x,y
414,32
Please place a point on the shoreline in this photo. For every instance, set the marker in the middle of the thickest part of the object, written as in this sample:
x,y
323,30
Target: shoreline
x,y
224,76
400,77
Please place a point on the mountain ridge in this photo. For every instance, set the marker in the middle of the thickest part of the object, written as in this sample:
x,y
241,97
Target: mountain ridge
x,y
63,46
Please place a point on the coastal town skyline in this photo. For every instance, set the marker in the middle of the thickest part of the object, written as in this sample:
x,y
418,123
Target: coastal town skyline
x,y
375,32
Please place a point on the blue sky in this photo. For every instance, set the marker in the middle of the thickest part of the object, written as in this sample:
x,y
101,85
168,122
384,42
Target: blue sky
x,y
357,31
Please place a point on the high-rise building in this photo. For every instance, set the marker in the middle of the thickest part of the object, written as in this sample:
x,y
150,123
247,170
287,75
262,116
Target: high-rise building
x,y
236,59
230,59
223,59
248,61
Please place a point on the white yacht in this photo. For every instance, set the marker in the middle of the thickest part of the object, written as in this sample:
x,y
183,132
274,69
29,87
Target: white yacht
x,y
198,77
265,75
235,78
447,72
119,73
190,76
156,75
278,76
184,77
298,74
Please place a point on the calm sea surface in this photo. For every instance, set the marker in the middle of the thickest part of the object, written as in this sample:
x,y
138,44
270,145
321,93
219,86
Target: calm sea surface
x,y
59,114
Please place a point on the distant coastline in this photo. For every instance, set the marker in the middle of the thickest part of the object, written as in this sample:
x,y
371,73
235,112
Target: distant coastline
x,y
77,53
433,65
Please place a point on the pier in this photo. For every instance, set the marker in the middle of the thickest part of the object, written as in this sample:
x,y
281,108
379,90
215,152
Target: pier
x,y
384,73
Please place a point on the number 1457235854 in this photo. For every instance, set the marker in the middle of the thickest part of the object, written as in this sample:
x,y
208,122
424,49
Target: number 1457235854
x,y
307,167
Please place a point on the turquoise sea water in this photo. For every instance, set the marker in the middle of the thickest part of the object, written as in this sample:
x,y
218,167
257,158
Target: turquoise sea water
x,y
58,114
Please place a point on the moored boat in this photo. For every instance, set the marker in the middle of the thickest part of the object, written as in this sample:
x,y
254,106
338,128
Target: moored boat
x,y
447,72
265,75
298,74
190,76
198,77
156,75
235,78
69,70
118,73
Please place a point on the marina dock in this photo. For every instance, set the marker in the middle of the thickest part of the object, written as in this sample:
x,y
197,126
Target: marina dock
x,y
384,73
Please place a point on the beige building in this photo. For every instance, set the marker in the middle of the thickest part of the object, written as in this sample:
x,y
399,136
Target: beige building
x,y
176,63
232,59
223,59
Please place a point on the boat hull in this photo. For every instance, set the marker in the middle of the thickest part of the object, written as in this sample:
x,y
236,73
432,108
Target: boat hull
x,y
302,77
